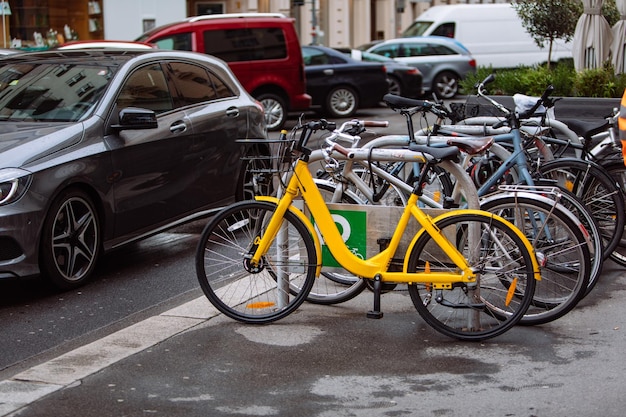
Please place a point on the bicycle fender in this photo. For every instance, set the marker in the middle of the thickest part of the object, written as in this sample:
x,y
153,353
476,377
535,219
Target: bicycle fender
x,y
309,226
531,250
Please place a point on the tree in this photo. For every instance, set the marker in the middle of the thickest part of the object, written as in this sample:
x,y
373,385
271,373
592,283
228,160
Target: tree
x,y
549,20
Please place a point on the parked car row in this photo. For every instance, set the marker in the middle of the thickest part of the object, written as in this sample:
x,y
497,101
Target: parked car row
x,y
105,143
442,61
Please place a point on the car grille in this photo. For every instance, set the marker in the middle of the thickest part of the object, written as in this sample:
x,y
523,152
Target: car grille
x,y
9,249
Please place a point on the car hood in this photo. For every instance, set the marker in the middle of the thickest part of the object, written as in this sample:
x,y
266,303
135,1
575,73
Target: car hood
x,y
22,143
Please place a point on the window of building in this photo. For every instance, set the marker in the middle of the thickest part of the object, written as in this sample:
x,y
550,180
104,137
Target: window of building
x,y
41,24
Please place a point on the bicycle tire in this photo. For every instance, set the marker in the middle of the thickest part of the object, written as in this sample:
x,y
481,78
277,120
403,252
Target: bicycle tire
x,y
560,244
334,287
597,190
495,305
237,290
617,170
582,212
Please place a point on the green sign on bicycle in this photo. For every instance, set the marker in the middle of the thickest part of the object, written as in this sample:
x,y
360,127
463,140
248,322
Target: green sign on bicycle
x,y
353,228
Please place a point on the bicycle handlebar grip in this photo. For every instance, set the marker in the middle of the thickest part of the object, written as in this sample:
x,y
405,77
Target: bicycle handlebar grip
x,y
490,78
547,93
340,149
375,123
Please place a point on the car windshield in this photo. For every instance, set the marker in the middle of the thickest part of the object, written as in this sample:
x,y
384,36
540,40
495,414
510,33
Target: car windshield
x,y
50,91
416,29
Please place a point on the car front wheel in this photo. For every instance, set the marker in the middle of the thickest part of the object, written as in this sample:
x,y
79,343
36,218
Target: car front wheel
x,y
342,102
446,84
70,242
275,110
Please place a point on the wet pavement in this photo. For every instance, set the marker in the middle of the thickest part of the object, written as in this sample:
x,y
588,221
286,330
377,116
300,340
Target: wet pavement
x,y
333,361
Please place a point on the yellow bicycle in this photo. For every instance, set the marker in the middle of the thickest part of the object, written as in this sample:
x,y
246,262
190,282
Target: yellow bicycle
x,y
470,274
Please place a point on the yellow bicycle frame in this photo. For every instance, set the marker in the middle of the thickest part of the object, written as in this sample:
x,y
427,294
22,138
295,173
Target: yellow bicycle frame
x,y
302,183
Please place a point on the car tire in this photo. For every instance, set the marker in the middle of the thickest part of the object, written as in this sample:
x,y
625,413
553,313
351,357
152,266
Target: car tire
x,y
342,102
70,241
275,110
446,84
395,87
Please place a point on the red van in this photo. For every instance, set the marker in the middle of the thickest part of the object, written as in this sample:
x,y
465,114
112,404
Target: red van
x,y
262,49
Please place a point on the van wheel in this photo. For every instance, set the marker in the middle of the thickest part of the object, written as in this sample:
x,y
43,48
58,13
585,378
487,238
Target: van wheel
x,y
446,84
342,102
275,110
70,241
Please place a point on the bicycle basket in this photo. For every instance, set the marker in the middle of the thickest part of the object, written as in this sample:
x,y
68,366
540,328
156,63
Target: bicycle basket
x,y
266,160
472,108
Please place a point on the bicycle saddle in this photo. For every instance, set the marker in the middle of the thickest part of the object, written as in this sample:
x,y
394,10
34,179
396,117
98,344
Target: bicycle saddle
x,y
471,146
449,153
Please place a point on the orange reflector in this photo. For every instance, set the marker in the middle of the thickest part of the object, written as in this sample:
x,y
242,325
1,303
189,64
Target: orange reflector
x,y
427,268
510,292
261,304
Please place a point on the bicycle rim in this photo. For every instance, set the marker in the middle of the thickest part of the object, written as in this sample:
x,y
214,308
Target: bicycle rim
x,y
504,288
561,247
237,289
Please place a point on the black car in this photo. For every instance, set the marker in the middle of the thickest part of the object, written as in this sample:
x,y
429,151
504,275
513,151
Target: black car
x,y
99,148
404,80
341,85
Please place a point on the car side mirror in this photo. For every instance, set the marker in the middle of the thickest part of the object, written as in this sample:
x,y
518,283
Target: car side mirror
x,y
136,118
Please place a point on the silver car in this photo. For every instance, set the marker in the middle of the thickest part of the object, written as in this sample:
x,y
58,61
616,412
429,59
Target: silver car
x,y
442,61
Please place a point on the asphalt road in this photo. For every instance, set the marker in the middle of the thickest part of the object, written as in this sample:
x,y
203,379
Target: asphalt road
x,y
130,285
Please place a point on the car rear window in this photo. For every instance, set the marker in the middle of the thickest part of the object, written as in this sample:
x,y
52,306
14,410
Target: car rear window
x,y
249,44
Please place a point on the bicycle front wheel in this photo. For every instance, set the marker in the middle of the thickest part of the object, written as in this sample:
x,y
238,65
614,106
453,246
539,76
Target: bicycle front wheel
x,y
558,239
505,284
263,293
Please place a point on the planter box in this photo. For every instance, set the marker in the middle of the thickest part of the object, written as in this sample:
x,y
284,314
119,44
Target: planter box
x,y
582,108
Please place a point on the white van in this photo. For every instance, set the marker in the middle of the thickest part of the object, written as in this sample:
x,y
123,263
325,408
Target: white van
x,y
493,33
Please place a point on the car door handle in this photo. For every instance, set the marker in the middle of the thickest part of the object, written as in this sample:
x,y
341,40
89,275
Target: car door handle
x,y
329,72
178,127
232,112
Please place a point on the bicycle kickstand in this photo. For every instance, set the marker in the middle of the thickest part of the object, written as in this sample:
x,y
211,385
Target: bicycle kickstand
x,y
376,313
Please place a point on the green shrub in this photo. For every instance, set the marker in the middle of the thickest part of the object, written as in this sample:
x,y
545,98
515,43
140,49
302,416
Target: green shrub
x,y
599,82
534,80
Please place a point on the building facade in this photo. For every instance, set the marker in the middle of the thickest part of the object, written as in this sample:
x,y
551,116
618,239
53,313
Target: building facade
x,y
45,23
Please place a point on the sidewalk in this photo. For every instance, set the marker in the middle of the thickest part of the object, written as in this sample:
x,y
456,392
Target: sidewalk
x,y
333,361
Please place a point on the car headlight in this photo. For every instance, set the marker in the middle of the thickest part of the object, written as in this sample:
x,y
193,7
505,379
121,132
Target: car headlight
x,y
13,184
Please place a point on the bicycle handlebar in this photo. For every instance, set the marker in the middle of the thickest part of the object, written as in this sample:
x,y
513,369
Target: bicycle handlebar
x,y
544,99
348,131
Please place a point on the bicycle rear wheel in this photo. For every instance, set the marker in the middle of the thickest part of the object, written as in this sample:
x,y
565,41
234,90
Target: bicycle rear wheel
x,y
618,172
559,242
255,294
597,190
504,288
